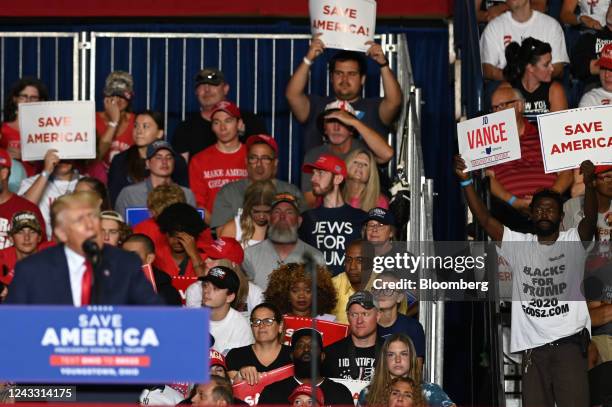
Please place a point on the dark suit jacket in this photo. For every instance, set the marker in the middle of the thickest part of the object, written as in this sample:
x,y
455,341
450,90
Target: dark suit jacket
x,y
43,278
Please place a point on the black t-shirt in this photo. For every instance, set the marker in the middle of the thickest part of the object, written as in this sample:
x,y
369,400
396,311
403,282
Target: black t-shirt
x,y
195,133
279,392
587,48
331,230
245,356
341,357
165,289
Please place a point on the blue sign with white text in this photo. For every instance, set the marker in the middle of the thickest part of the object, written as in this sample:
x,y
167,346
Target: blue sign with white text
x,y
103,344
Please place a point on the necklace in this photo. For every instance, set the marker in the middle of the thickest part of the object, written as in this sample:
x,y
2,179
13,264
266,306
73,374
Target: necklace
x,y
66,190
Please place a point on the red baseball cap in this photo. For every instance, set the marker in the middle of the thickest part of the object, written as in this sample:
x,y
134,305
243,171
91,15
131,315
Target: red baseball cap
x,y
262,138
327,162
605,57
216,358
224,248
227,107
306,389
602,168
5,158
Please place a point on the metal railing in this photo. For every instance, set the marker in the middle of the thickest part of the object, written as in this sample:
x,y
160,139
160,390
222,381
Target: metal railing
x,y
51,56
257,67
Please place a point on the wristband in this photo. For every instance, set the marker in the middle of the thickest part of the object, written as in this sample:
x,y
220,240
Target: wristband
x,y
307,61
385,64
45,174
467,182
511,200
113,124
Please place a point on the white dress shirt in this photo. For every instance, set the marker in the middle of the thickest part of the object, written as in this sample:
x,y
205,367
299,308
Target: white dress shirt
x,y
76,269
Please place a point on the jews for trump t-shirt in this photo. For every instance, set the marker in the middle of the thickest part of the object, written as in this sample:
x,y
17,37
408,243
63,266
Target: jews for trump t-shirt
x,y
331,230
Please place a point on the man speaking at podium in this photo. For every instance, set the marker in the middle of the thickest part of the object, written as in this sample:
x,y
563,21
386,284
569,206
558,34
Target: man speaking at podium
x,y
81,270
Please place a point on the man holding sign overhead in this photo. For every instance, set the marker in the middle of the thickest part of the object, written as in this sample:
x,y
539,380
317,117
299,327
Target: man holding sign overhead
x,y
513,183
347,73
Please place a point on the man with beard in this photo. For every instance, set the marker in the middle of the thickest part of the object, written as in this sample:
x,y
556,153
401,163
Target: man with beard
x,y
334,224
550,319
262,162
303,350
282,245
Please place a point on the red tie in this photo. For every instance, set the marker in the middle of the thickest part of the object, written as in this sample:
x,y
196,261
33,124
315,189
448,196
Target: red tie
x,y
86,284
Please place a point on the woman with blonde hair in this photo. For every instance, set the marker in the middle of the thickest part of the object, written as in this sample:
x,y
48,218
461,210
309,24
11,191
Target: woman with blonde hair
x,y
362,187
251,225
397,358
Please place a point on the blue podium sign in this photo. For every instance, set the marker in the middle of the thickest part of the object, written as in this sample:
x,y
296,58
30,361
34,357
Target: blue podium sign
x,y
103,344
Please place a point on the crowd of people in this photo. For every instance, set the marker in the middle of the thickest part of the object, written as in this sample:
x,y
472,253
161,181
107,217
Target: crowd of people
x,y
526,60
251,244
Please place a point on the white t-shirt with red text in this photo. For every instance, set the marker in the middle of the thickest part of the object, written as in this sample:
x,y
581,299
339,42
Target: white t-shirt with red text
x,y
503,29
596,97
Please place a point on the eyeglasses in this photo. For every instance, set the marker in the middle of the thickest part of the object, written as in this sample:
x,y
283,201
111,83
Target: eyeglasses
x,y
28,98
266,321
375,226
383,292
265,159
503,105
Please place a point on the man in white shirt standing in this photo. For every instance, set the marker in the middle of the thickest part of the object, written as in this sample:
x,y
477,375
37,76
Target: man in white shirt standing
x,y
550,319
520,22
229,328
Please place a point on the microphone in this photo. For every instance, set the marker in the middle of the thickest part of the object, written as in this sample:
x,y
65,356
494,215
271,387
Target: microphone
x,y
92,251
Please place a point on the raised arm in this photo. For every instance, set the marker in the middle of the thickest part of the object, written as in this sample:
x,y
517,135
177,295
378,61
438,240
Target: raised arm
x,y
106,139
376,143
37,189
588,224
492,226
392,101
298,101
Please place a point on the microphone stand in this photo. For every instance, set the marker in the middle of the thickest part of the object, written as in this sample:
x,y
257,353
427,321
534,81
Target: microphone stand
x,y
93,253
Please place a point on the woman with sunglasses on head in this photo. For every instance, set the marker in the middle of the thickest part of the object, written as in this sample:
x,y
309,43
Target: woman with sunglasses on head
x,y
267,353
289,288
397,358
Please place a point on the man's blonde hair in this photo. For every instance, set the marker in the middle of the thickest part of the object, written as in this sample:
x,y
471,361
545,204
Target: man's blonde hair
x,y
73,200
